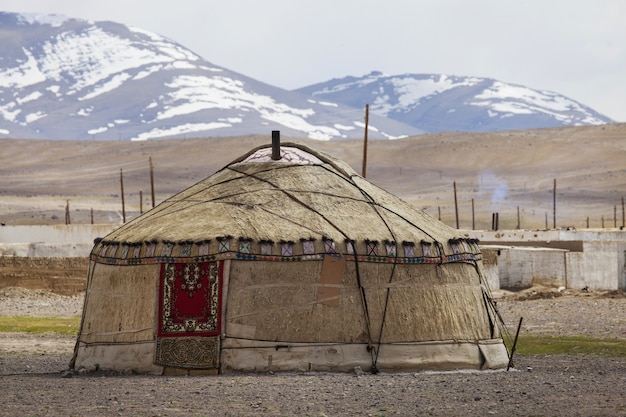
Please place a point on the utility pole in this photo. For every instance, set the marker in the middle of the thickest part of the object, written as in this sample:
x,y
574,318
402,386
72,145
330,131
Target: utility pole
x,y
122,188
456,206
367,118
67,212
152,181
554,205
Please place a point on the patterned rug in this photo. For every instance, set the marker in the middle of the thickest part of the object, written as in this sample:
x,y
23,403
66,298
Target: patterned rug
x,y
189,314
188,352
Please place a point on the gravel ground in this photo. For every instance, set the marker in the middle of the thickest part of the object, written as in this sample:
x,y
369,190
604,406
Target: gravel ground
x,y
32,370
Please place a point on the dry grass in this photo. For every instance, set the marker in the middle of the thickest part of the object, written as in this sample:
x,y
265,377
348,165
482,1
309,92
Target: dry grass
x,y
500,172
67,326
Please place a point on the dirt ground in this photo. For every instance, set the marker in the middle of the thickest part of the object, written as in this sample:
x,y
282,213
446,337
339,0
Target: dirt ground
x,y
34,381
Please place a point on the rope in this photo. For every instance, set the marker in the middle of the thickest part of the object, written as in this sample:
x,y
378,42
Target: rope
x,y
490,305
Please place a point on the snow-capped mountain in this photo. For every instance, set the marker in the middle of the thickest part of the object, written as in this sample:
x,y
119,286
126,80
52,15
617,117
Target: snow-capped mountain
x,y
63,78
435,102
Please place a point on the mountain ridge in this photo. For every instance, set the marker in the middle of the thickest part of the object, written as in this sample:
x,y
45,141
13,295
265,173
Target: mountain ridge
x,y
440,102
75,79
67,78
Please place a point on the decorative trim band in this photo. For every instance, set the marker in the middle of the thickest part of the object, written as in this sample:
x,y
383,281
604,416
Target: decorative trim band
x,y
274,258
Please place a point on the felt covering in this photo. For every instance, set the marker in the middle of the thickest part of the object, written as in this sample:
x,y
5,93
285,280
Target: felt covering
x,y
294,264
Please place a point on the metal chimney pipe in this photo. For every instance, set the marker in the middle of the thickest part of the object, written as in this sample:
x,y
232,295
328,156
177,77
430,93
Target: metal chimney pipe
x,y
275,145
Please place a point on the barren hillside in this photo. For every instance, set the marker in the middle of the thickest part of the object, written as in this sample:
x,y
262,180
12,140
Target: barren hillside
x,y
501,172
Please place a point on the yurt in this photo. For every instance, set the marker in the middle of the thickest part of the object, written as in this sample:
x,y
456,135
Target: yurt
x,y
286,260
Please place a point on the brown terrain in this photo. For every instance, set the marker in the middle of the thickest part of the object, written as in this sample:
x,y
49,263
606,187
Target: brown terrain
x,y
500,172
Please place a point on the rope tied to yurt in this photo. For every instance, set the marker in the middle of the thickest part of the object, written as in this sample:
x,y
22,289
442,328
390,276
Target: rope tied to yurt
x,y
491,306
372,204
370,347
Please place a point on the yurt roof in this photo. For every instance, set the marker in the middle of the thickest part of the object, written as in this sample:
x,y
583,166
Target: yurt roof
x,y
306,194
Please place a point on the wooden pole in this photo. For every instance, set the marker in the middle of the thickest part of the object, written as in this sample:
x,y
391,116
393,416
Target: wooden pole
x,y
439,211
367,118
546,220
519,326
587,222
495,221
615,217
473,216
67,212
152,181
623,212
92,215
122,189
623,222
140,202
554,205
518,222
456,206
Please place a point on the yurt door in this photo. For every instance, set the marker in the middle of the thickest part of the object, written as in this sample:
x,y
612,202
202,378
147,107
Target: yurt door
x,y
189,315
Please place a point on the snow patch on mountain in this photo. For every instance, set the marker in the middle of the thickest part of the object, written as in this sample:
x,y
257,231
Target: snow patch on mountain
x,y
437,102
54,20
70,79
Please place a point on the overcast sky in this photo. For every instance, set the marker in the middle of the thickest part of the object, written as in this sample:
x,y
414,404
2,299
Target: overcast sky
x,y
573,47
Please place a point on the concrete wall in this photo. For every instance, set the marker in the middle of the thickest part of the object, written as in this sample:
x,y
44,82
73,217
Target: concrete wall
x,y
603,265
547,236
51,241
46,250
524,267
72,233
593,258
490,268
575,270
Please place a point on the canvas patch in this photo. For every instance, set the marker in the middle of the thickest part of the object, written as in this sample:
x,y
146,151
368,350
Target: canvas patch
x,y
331,277
190,299
188,352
